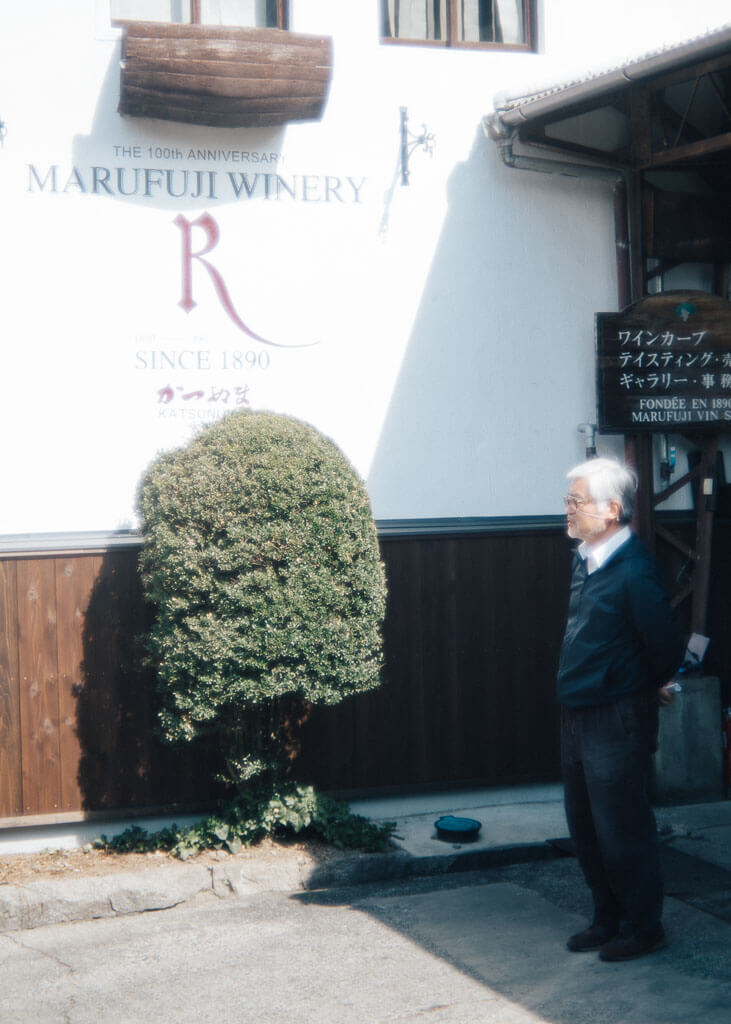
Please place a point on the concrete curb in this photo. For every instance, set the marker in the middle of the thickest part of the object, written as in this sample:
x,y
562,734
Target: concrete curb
x,y
165,886
82,899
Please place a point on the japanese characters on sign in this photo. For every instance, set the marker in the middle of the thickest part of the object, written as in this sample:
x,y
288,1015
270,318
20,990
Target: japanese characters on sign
x,y
664,364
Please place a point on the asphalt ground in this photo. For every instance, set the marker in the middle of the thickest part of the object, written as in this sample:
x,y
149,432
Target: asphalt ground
x,y
480,946
431,932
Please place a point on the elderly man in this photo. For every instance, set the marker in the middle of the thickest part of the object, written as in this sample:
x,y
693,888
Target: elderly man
x,y
620,649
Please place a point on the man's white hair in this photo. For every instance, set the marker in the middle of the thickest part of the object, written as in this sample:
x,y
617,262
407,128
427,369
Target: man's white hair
x,y
608,480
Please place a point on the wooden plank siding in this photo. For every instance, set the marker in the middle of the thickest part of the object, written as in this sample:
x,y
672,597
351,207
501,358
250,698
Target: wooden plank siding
x,y
75,579
11,786
38,672
212,75
472,636
77,713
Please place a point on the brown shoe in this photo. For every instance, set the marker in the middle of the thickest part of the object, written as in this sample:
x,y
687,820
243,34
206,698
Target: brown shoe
x,y
592,938
629,947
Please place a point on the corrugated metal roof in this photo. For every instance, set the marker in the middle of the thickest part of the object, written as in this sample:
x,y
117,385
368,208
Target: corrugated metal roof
x,y
516,110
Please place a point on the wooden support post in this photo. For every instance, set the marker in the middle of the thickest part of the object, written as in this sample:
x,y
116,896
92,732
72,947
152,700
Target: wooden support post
x,y
621,245
638,453
631,287
705,504
638,447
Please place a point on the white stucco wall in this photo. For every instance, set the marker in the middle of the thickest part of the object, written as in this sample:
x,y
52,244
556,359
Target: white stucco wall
x,y
449,324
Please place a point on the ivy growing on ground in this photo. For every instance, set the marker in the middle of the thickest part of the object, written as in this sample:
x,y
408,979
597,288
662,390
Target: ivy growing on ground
x,y
255,814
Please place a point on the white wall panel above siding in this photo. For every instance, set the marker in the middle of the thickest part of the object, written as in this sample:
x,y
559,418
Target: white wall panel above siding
x,y
156,275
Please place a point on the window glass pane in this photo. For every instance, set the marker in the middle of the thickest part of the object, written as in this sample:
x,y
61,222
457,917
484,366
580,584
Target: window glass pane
x,y
415,19
246,13
511,18
490,21
471,26
150,10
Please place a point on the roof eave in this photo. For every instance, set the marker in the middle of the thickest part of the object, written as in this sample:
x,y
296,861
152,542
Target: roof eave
x,y
517,110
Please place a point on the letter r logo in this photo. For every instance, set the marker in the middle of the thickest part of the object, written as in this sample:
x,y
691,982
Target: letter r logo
x,y
187,302
212,235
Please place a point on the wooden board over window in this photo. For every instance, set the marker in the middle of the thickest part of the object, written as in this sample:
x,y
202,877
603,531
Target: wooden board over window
x,y
664,365
213,75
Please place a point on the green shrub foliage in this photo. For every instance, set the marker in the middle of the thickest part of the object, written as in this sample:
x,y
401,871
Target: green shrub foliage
x,y
261,560
259,812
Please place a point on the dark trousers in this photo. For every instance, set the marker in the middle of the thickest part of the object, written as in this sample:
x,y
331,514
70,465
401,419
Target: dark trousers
x,y
606,761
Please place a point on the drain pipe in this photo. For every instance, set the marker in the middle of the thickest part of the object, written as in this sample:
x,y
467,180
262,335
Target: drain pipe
x,y
505,138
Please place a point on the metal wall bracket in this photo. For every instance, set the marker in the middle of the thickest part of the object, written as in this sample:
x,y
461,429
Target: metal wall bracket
x,y
409,142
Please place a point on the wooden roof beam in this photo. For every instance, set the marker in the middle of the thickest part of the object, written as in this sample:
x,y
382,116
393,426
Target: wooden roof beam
x,y
691,71
691,151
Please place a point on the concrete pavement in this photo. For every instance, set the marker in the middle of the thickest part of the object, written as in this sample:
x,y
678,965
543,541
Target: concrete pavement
x,y
517,825
431,931
483,947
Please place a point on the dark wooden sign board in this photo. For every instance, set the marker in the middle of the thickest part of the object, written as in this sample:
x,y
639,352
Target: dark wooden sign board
x,y
664,365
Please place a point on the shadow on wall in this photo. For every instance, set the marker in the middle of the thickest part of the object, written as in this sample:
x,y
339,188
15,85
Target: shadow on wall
x,y
166,164
481,375
123,763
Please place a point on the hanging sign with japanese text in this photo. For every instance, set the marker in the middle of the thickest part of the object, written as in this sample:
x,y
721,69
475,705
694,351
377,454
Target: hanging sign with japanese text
x,y
664,364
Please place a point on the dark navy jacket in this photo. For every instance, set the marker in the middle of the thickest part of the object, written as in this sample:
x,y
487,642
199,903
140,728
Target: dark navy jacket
x,y
620,636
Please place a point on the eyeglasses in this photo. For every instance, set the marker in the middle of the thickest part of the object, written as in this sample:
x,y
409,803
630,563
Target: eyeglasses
x,y
574,503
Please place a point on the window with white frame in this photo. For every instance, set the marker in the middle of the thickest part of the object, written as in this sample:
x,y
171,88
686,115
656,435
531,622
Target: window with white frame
x,y
469,23
243,13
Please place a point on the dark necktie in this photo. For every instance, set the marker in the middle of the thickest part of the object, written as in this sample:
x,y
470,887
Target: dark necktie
x,y
581,571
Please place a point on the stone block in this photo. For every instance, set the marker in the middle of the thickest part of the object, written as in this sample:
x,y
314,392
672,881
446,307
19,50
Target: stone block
x,y
689,760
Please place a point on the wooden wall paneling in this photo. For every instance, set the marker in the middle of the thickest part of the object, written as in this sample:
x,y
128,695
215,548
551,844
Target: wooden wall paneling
x,y
337,748
552,558
368,735
320,737
75,580
341,759
479,626
439,677
460,641
538,614
126,765
425,595
515,645
407,653
383,733
389,740
98,708
152,771
11,787
135,684
472,637
363,723
38,673
457,679
525,692
372,731
487,695
550,619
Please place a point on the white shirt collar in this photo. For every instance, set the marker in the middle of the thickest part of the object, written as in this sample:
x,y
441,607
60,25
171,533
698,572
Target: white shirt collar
x,y
597,555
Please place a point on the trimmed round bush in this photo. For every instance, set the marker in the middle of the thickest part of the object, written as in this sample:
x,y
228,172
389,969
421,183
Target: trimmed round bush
x,y
261,559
